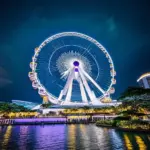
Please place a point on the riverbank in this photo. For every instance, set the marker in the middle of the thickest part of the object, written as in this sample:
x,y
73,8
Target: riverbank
x,y
64,120
124,129
129,126
43,121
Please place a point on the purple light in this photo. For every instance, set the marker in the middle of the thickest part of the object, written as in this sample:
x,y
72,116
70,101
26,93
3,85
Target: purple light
x,y
31,120
76,69
76,63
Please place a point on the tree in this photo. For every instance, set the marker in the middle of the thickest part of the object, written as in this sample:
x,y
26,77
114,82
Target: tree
x,y
135,93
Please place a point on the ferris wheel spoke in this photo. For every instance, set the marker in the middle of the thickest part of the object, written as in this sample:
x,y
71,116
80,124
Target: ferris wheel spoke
x,y
69,93
92,80
83,94
87,88
68,82
86,50
65,73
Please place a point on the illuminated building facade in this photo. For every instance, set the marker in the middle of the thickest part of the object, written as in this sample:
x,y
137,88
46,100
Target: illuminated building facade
x,y
144,80
26,104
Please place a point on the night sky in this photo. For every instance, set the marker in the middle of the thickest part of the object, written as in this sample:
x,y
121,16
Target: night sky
x,y
121,26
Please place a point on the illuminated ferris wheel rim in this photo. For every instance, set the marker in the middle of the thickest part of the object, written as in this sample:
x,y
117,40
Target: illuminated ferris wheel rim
x,y
75,34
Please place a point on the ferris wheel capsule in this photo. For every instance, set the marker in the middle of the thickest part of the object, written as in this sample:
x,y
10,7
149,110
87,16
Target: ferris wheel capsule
x,y
41,92
113,73
113,81
33,65
111,65
31,75
36,49
112,90
34,84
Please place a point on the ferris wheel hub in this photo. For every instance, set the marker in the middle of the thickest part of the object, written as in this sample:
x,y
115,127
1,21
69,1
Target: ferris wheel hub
x,y
76,63
76,70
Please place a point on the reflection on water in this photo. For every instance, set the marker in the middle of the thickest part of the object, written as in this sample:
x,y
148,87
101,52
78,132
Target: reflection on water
x,y
6,137
72,137
148,137
22,139
116,141
128,144
140,143
85,138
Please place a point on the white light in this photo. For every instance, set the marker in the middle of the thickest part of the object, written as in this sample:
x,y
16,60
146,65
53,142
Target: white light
x,y
143,76
66,60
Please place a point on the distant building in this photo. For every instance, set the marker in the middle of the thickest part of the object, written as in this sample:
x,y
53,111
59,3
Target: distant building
x,y
144,80
26,104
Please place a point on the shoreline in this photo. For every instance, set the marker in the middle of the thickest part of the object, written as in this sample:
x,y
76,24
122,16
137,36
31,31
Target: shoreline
x,y
125,129
42,121
70,123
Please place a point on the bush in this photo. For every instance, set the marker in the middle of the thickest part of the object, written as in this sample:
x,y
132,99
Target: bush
x,y
136,124
105,122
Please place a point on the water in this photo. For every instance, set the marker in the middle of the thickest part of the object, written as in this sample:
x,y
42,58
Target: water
x,y
63,137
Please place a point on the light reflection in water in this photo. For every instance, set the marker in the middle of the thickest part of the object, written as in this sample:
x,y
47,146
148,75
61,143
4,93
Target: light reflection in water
x,y
72,137
148,137
23,137
85,137
116,140
6,137
49,137
128,144
101,139
140,143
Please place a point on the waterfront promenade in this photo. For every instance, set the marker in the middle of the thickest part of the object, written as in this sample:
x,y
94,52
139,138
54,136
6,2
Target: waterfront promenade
x,y
56,119
42,121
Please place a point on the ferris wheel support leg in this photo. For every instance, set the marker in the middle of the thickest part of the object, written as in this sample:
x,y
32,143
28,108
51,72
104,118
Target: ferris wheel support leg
x,y
90,78
90,93
70,78
69,93
64,91
83,94
61,95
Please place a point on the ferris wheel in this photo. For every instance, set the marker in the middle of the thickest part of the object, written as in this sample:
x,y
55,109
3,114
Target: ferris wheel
x,y
72,68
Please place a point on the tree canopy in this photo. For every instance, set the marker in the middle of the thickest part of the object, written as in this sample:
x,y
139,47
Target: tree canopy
x,y
135,93
10,107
